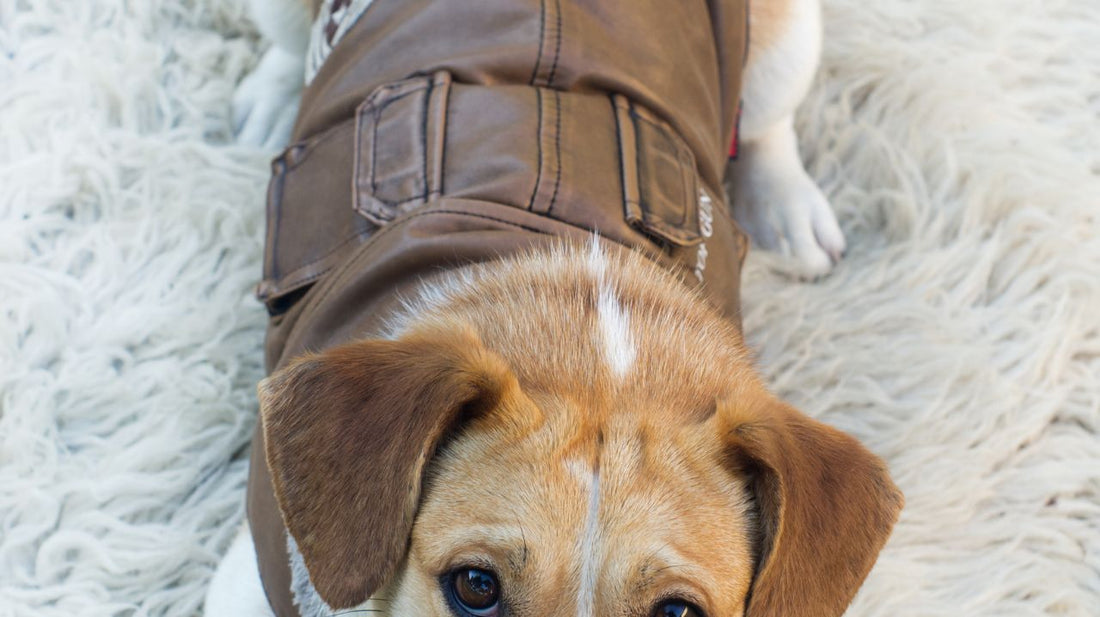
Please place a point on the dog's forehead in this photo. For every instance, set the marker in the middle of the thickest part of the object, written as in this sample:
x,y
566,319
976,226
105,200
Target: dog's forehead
x,y
607,516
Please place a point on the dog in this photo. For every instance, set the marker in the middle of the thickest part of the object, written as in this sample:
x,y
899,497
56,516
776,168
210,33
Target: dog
x,y
556,422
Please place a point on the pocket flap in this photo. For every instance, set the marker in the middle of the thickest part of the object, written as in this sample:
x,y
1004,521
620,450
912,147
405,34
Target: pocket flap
x,y
659,179
399,146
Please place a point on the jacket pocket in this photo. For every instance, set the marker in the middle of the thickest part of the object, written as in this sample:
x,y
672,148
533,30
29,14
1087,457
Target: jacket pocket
x,y
310,222
660,186
399,133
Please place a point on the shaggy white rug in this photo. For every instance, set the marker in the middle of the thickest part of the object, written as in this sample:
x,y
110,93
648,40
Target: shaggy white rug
x,y
960,339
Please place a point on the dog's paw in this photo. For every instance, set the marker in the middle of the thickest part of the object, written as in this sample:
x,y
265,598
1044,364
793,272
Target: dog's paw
x,y
792,217
781,208
266,102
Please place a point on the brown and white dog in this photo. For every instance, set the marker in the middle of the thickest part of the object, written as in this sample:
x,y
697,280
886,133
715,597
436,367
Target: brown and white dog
x,y
643,469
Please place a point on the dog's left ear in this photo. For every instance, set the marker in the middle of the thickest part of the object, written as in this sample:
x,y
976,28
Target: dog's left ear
x,y
348,433
826,506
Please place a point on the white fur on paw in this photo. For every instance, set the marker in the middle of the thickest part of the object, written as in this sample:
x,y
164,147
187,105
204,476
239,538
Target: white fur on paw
x,y
787,213
265,105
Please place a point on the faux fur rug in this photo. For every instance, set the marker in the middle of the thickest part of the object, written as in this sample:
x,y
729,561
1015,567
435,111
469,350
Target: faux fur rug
x,y
960,339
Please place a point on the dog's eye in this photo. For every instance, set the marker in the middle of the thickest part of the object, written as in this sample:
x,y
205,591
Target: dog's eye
x,y
476,591
676,608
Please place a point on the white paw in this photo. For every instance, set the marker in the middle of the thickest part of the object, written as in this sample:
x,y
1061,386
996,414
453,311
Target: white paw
x,y
792,217
265,104
777,203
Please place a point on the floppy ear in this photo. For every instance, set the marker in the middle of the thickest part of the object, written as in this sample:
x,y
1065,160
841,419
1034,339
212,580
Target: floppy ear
x,y
826,506
348,433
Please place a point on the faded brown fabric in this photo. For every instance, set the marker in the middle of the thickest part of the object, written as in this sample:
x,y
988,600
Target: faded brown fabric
x,y
440,133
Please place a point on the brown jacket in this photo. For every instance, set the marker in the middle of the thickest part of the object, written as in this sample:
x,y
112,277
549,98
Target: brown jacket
x,y
444,132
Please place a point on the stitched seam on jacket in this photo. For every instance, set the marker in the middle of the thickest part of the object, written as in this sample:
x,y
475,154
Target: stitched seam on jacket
x,y
296,285
442,162
557,151
542,36
276,213
619,148
292,282
538,145
376,118
424,137
557,47
486,217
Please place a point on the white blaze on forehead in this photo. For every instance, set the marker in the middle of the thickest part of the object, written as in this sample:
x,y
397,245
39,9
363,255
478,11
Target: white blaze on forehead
x,y
618,343
589,540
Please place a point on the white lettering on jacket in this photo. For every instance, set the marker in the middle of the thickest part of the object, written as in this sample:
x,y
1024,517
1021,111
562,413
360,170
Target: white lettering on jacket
x,y
706,228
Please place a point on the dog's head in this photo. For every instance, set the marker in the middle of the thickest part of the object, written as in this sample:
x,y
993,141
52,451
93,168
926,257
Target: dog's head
x,y
422,467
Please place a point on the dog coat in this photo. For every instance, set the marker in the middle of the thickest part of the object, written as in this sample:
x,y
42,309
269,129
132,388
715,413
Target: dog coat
x,y
439,133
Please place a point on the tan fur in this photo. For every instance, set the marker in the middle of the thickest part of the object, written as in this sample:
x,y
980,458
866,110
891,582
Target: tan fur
x,y
708,486
768,21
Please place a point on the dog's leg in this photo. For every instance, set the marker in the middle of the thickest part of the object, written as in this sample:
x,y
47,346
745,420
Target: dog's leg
x,y
774,199
236,590
266,102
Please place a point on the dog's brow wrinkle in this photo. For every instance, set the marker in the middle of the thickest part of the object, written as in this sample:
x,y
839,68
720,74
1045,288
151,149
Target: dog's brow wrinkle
x,y
518,567
523,535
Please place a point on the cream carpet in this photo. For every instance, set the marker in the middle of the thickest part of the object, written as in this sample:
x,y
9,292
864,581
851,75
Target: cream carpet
x,y
960,339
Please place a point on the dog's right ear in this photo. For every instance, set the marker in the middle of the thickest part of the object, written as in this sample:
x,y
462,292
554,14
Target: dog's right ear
x,y
348,433
826,504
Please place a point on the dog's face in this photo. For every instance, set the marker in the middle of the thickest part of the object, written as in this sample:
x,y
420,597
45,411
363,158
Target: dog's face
x,y
558,505
477,466
571,519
